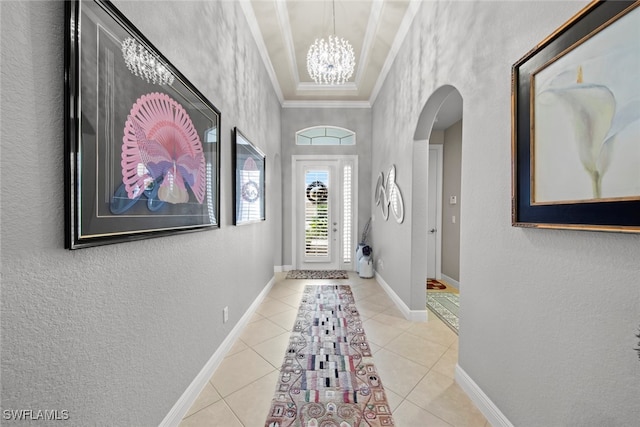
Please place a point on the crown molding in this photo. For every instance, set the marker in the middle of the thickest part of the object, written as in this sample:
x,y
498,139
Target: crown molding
x,y
314,87
285,29
247,9
369,37
403,30
326,104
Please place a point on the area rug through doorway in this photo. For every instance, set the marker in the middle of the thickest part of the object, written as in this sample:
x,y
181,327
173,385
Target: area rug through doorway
x,y
435,284
317,274
445,305
328,377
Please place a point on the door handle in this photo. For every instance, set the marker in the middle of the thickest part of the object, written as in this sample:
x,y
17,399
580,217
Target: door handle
x,y
433,230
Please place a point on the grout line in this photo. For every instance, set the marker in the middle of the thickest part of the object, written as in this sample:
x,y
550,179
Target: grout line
x,y
234,412
201,409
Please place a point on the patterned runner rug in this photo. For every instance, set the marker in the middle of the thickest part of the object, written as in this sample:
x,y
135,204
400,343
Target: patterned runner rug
x,y
445,305
317,274
328,378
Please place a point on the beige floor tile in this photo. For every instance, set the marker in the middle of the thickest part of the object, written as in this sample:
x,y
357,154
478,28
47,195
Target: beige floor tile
x,y
207,396
366,285
278,292
251,404
394,399
434,331
296,285
292,300
273,349
417,349
379,333
410,415
441,395
374,347
215,415
395,312
380,299
398,374
239,370
237,347
286,319
447,363
271,306
255,318
257,332
397,321
365,291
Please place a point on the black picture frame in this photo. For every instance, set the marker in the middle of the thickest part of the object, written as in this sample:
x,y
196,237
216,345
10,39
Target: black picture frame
x,y
249,181
568,43
142,145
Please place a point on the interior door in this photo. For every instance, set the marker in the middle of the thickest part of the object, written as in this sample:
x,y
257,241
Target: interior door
x,y
318,216
434,208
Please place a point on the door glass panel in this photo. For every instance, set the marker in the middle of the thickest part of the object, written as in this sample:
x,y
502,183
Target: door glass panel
x,y
316,215
346,215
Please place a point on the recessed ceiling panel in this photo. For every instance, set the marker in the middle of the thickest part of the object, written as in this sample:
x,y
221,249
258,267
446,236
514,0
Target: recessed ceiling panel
x,y
289,27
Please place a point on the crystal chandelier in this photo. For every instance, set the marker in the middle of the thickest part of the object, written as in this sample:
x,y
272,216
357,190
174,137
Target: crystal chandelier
x,y
144,64
332,61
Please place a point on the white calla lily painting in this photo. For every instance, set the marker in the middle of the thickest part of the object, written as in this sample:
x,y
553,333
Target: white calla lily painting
x,y
586,120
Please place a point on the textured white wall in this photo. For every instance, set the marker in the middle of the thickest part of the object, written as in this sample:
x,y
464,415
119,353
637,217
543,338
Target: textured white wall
x,y
115,334
548,317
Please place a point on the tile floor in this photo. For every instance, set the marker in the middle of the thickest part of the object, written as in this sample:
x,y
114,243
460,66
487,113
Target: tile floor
x,y
416,363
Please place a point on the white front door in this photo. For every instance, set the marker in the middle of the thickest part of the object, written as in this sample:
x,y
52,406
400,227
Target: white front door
x,y
323,231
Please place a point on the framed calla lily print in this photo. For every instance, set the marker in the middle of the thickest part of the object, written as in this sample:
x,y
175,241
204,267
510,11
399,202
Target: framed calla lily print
x,y
142,143
576,124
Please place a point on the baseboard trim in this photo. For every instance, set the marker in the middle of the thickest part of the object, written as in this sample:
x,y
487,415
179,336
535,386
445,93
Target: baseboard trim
x,y
482,401
181,407
451,281
413,315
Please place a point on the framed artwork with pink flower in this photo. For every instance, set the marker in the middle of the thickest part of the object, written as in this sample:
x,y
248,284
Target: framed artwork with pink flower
x,y
576,124
142,143
249,180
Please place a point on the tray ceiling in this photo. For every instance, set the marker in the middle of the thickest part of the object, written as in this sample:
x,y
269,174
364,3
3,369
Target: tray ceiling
x,y
284,30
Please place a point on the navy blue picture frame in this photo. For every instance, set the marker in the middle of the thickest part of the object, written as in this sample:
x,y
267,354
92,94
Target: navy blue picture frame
x,y
616,216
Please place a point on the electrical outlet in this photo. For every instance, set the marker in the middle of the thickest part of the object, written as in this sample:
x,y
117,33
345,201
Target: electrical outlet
x,y
225,314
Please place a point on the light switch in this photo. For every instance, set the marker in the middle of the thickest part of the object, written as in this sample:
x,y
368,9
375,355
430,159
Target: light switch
x,y
453,200
453,219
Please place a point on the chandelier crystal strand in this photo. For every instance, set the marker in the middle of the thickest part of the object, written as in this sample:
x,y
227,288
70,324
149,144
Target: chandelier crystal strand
x,y
331,62
144,64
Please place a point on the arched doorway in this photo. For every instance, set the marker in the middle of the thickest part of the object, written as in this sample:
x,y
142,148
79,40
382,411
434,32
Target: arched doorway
x,y
436,194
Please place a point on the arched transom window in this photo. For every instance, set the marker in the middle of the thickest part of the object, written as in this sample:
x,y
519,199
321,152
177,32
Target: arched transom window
x,y
325,135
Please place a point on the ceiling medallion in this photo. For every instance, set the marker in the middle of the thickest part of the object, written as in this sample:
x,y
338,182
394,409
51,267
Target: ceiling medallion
x,y
333,61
